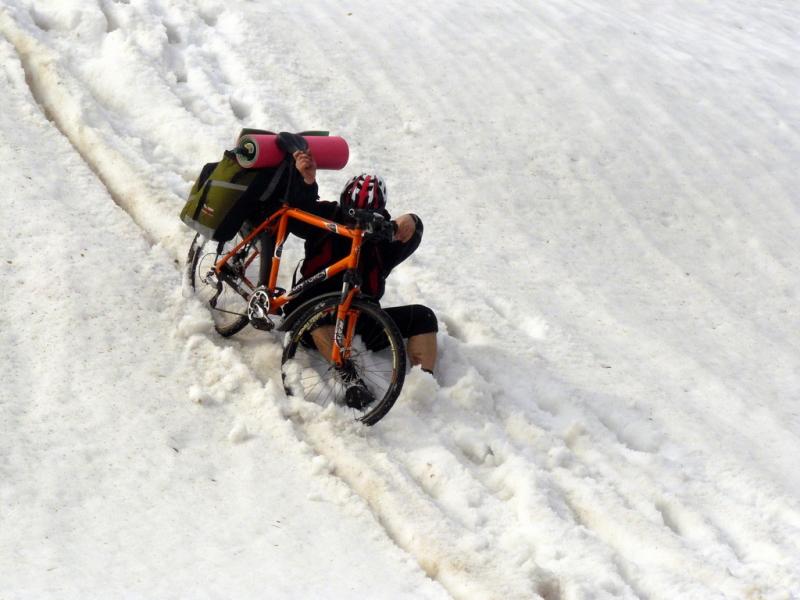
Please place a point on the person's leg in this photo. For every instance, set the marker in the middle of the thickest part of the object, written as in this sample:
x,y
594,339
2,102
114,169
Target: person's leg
x,y
422,351
419,324
323,340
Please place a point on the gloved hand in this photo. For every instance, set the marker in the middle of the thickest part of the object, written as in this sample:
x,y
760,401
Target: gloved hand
x,y
306,165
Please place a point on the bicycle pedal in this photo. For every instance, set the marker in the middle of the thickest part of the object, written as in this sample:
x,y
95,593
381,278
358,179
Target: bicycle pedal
x,y
262,324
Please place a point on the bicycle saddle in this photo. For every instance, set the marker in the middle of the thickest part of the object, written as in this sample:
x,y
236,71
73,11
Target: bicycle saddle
x,y
291,142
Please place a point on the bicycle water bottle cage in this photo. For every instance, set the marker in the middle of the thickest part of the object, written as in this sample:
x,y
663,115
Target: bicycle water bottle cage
x,y
291,142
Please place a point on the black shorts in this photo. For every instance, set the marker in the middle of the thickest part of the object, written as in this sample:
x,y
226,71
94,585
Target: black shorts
x,y
411,320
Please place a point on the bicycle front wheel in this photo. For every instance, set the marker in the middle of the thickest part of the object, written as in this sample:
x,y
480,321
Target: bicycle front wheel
x,y
372,376
249,269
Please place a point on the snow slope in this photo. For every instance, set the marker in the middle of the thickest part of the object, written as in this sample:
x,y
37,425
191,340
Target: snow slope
x,y
610,199
126,473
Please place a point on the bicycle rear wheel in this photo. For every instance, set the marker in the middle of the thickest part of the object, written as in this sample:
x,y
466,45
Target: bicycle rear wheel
x,y
250,269
377,360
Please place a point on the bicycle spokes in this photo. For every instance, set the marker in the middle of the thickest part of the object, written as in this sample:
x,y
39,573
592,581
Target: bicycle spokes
x,y
371,369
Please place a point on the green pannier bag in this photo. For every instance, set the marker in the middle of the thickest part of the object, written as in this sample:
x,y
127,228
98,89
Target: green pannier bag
x,y
225,194
218,204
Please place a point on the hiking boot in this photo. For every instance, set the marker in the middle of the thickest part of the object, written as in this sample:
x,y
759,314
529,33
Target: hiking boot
x,y
356,394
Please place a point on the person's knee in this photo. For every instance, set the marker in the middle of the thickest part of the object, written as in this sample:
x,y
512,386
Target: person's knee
x,y
424,320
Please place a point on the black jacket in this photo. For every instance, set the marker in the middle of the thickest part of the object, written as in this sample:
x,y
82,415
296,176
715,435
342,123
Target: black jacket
x,y
289,185
323,247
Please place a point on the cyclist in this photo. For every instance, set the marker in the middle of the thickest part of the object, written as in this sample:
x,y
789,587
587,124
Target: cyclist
x,y
417,323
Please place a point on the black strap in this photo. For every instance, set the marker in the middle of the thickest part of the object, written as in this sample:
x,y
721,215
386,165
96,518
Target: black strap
x,y
274,182
202,201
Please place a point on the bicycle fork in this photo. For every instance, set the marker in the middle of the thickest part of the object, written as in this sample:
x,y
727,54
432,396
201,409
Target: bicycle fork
x,y
345,326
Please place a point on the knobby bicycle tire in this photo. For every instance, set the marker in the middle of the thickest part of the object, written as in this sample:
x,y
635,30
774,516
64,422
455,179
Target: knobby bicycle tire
x,y
378,358
230,311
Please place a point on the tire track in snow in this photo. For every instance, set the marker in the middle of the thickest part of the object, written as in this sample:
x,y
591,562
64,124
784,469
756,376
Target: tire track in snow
x,y
771,426
567,485
438,566
425,491
598,498
231,374
64,104
383,481
461,575
374,81
378,78
767,428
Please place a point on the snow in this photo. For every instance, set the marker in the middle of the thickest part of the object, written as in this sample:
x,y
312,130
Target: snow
x,y
609,193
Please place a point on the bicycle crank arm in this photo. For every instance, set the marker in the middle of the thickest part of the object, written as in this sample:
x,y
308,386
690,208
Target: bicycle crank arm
x,y
258,310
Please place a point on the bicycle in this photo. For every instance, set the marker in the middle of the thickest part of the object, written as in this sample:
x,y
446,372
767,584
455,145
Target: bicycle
x,y
238,281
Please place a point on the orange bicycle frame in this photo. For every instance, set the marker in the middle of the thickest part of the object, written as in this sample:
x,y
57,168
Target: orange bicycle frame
x,y
278,222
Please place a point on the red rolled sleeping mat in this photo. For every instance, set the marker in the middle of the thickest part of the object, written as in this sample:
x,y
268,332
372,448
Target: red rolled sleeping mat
x,y
261,150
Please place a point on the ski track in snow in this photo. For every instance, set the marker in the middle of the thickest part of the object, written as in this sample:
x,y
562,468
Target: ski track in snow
x,y
554,480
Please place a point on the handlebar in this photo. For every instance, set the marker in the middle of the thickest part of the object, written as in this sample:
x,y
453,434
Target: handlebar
x,y
375,225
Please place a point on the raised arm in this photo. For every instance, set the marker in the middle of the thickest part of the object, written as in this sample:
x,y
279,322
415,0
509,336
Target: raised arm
x,y
407,238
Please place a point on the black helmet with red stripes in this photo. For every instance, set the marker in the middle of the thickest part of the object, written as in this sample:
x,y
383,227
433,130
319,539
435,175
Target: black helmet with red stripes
x,y
364,192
